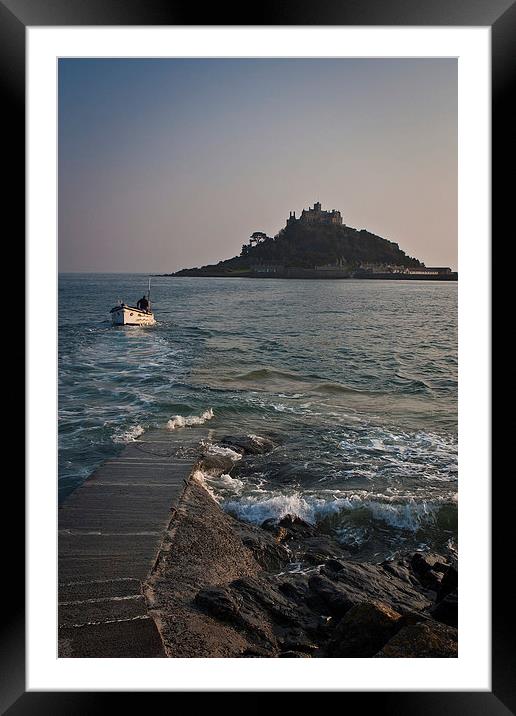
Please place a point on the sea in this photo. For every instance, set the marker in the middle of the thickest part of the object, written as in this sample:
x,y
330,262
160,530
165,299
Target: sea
x,y
354,380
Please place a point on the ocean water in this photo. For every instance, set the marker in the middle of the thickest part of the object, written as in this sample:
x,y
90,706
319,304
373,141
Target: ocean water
x,y
356,381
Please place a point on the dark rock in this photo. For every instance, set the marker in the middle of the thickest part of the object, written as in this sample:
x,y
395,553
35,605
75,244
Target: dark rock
x,y
424,569
449,583
259,594
269,618
251,444
446,611
289,527
424,562
362,582
214,464
293,655
257,652
411,618
219,602
424,640
295,639
429,569
363,630
295,588
267,551
334,565
319,550
270,556
327,598
401,569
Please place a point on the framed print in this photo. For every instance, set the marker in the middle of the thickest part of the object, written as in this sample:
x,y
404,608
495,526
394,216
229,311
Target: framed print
x,y
258,320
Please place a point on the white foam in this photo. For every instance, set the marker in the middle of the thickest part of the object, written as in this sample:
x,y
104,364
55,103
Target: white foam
x,y
212,449
129,435
203,478
221,486
398,512
180,421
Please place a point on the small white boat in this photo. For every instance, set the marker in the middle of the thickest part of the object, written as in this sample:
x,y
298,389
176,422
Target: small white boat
x,y
124,315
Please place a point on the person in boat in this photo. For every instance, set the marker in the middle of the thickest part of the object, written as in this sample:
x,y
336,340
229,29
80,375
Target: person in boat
x,y
143,304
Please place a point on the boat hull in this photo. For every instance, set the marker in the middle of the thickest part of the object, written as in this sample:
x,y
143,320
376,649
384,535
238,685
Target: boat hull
x,y
130,316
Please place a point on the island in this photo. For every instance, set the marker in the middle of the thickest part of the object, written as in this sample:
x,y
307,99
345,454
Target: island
x,y
318,245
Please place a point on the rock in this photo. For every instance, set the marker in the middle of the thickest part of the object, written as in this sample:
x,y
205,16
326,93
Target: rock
x,y
270,554
334,565
449,583
424,640
424,562
401,569
295,639
214,464
219,602
259,595
318,550
257,652
327,598
268,618
251,444
363,582
446,611
363,630
289,527
429,569
222,588
295,588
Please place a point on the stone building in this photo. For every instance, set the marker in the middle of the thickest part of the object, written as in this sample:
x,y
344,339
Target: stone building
x,y
316,215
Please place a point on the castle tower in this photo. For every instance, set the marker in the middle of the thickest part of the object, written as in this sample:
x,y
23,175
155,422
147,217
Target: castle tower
x,y
317,206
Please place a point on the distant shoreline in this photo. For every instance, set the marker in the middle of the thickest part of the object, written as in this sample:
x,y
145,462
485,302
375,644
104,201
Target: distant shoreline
x,y
319,277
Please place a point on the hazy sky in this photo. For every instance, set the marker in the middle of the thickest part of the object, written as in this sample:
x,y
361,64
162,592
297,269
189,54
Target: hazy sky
x,y
167,164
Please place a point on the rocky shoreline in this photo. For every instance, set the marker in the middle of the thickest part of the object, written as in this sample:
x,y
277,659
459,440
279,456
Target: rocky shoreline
x,y
223,588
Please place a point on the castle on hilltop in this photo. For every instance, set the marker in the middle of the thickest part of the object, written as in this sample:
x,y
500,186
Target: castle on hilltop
x,y
316,215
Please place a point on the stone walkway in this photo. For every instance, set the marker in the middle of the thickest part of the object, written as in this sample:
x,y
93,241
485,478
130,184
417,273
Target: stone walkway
x,y
110,530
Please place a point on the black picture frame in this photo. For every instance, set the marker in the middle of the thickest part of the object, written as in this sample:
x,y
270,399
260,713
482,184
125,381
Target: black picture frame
x,y
500,15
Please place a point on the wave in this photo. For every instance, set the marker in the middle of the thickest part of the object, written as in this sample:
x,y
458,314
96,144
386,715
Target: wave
x,y
129,435
267,374
402,513
389,453
218,485
180,421
217,450
335,389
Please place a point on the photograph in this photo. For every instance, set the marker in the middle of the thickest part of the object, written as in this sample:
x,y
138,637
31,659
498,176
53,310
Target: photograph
x,y
257,357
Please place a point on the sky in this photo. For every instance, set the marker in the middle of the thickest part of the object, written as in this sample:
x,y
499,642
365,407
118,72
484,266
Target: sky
x,y
172,163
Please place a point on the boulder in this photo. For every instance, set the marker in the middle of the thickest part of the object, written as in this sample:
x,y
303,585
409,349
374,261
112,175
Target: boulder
x,y
363,582
401,569
270,554
289,527
429,569
363,630
295,639
424,562
333,565
449,583
219,602
319,550
327,598
446,611
427,639
251,444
